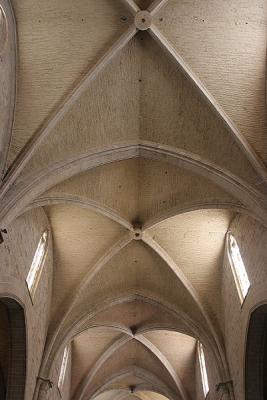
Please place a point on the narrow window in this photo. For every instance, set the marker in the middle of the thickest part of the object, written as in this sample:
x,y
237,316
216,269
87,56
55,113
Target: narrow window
x,y
203,369
238,267
37,263
63,369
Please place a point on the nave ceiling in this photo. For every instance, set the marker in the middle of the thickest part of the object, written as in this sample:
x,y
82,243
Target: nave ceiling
x,y
143,137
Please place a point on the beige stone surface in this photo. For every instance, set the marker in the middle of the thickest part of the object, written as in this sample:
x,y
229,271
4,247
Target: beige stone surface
x,y
139,150
200,235
225,45
142,189
47,34
16,254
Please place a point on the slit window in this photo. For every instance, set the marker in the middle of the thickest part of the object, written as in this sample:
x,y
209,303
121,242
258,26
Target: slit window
x,y
203,369
238,267
63,369
37,264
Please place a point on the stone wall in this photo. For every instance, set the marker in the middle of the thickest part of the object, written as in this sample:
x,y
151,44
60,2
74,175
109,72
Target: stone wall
x,y
54,393
252,240
213,378
16,254
199,387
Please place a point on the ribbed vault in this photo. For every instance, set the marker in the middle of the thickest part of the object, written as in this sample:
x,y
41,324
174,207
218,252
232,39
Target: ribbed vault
x,y
139,127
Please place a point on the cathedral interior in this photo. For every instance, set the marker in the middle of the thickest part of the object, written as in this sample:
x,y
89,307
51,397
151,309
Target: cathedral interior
x,y
133,200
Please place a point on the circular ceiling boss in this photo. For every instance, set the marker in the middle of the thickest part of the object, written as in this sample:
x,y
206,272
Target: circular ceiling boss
x,y
143,20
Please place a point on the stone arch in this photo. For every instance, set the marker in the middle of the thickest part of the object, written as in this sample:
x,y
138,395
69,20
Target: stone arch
x,y
256,355
29,188
57,345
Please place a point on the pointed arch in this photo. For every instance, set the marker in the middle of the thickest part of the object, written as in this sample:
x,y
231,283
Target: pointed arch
x,y
57,343
178,272
80,202
99,363
14,379
121,342
256,355
150,382
25,191
8,49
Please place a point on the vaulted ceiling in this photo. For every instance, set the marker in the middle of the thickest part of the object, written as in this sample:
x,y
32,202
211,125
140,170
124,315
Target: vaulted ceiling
x,y
140,127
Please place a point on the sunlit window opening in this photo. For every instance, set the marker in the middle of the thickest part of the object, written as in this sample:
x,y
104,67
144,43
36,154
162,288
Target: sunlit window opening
x,y
203,369
63,368
37,264
238,267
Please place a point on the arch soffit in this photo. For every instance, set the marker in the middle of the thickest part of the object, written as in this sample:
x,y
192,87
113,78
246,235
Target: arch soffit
x,y
57,343
137,392
123,396
146,395
114,250
26,191
121,342
180,189
151,382
114,216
